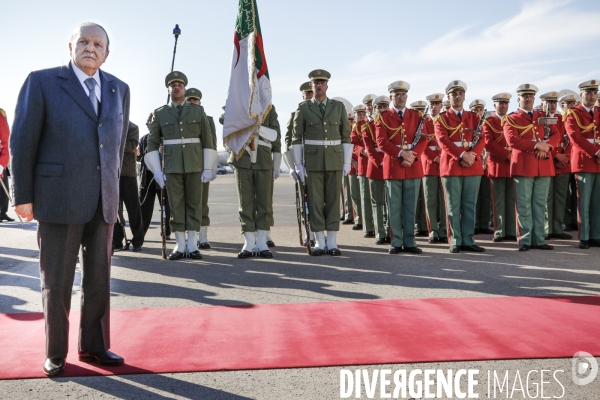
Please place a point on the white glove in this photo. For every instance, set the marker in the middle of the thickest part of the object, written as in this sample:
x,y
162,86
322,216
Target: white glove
x,y
160,178
207,175
275,174
1,170
293,175
214,176
347,168
276,164
301,171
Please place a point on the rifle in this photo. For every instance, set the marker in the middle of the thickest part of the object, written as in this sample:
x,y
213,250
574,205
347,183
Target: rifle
x,y
163,212
478,129
305,210
547,121
299,212
418,133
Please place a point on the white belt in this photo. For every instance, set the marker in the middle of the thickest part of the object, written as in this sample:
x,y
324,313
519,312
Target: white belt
x,y
266,144
323,142
432,148
460,144
181,141
377,149
408,146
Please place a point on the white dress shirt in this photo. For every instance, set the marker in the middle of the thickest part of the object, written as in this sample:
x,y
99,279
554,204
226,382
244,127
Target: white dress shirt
x,y
82,76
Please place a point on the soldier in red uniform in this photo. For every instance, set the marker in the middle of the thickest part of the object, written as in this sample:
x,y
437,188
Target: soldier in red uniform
x,y
582,124
4,158
395,132
531,166
498,170
375,173
433,192
460,167
360,114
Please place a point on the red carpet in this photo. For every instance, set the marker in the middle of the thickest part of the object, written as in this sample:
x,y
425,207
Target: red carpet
x,y
319,334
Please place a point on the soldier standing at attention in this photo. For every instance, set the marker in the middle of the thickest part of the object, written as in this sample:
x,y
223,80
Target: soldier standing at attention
x,y
460,167
368,102
482,210
189,154
395,130
194,96
322,155
360,113
498,169
531,167
582,124
420,213
432,183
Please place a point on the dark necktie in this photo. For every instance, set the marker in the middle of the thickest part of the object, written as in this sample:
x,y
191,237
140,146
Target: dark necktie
x,y
179,108
400,113
322,108
530,114
592,113
459,115
91,85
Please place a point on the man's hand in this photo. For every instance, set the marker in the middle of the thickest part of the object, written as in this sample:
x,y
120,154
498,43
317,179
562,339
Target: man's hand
x,y
561,158
541,155
346,169
406,164
354,163
408,155
464,164
1,171
137,151
543,147
25,211
437,159
300,171
468,158
160,178
275,174
294,175
206,175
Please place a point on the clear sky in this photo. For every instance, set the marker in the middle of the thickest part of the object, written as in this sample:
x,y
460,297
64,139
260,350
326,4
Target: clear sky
x,y
492,46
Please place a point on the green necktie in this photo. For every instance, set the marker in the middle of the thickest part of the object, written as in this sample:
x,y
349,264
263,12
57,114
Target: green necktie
x,y
322,107
179,108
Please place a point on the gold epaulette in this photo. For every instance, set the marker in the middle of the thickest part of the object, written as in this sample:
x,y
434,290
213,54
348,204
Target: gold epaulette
x,y
584,129
421,114
364,127
3,113
377,117
437,117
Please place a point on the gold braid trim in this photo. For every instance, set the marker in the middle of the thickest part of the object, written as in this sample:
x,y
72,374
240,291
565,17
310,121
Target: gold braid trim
x,y
367,127
500,132
584,129
394,130
452,130
512,123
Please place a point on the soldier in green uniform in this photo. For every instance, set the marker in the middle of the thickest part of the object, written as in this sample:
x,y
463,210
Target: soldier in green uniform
x,y
254,180
194,96
189,153
322,153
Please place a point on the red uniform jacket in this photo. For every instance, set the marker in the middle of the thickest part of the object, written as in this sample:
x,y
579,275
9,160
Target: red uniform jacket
x,y
581,129
498,162
375,165
391,133
432,151
4,133
521,132
561,146
448,131
357,140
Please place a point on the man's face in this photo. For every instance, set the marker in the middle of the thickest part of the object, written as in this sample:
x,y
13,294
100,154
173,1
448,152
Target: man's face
x,y
193,100
149,121
567,105
381,107
589,97
361,115
478,111
307,95
320,88
457,98
550,106
369,105
526,101
435,108
88,49
177,91
501,107
399,98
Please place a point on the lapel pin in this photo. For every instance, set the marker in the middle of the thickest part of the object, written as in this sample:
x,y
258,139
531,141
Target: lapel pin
x,y
113,90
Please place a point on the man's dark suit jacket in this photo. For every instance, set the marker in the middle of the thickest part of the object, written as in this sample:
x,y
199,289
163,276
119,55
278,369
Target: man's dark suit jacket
x,y
64,155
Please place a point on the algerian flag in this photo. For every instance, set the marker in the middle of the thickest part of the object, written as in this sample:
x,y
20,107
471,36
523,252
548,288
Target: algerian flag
x,y
249,94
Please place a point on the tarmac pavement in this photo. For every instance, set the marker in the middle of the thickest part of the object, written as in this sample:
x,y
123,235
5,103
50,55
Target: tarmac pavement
x,y
364,272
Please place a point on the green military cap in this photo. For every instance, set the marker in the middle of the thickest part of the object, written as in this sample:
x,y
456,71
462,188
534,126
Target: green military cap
x,y
306,87
319,75
176,76
193,93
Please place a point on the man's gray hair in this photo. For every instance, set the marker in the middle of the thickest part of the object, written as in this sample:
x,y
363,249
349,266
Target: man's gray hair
x,y
77,30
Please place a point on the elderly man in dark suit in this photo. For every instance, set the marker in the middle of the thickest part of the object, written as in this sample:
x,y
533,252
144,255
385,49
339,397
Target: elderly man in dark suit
x,y
67,144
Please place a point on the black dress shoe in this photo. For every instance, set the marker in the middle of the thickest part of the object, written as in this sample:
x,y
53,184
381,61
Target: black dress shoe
x,y
270,243
334,252
203,246
388,240
454,249
421,233
524,247
473,248
564,236
443,239
476,231
543,247
370,234
244,254
54,366
265,254
176,255
102,357
413,250
395,250
379,241
547,237
347,222
510,238
195,255
136,248
357,227
5,217
498,239
317,252
485,231
594,242
433,240
584,244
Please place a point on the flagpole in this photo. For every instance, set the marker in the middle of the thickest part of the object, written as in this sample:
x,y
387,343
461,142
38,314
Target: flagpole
x,y
176,32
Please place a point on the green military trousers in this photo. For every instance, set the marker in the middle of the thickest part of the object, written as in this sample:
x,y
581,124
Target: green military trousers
x,y
503,196
482,210
185,198
588,189
557,200
254,190
435,206
420,217
205,218
532,194
355,196
347,200
365,204
461,198
271,219
403,194
324,200
377,190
